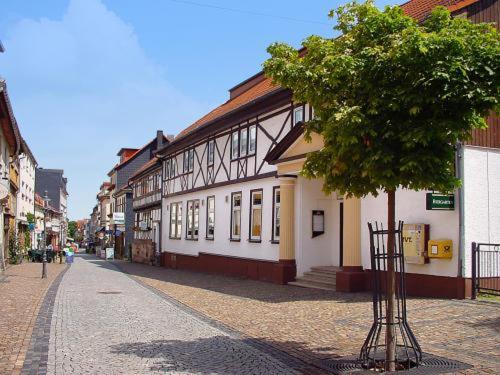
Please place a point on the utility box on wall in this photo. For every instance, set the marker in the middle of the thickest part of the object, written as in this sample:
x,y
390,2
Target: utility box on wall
x,y
441,249
415,237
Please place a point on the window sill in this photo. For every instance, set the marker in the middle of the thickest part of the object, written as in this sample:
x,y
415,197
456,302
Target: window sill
x,y
209,238
254,241
275,242
235,239
191,239
174,238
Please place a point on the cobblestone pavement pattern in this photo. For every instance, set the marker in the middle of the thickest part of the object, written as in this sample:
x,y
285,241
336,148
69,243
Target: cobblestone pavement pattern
x,y
315,325
104,322
21,292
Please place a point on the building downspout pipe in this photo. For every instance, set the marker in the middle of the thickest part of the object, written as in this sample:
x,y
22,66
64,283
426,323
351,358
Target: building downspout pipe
x,y
461,211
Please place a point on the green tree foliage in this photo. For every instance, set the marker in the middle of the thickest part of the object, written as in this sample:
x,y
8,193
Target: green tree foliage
x,y
72,226
391,99
30,217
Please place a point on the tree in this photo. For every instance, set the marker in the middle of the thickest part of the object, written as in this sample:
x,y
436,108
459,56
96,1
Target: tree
x,y
391,99
72,226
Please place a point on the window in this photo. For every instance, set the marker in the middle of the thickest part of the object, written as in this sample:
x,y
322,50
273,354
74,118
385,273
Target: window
x,y
169,168
255,215
236,216
298,115
210,152
234,145
210,217
188,161
243,141
252,141
175,220
192,219
276,214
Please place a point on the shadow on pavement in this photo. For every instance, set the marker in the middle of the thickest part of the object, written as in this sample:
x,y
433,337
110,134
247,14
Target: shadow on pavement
x,y
222,355
237,287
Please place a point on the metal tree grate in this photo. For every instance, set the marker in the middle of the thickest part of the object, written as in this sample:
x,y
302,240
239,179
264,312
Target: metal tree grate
x,y
408,352
430,364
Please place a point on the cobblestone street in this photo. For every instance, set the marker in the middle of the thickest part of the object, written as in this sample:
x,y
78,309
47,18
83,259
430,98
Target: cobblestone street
x,y
315,325
102,317
21,292
106,323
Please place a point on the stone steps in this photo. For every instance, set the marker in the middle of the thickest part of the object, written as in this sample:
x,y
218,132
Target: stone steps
x,y
321,277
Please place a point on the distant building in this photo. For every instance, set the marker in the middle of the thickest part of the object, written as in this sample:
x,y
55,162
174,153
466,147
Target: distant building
x,y
146,188
26,191
121,197
54,182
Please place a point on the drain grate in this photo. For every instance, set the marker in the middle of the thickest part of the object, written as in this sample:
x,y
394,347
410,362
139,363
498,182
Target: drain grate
x,y
109,292
431,364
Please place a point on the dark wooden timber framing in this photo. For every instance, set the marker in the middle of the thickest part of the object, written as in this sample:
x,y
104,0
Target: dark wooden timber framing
x,y
224,183
250,215
266,103
287,141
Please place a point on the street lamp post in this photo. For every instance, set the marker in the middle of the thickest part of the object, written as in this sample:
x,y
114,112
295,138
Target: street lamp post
x,y
46,200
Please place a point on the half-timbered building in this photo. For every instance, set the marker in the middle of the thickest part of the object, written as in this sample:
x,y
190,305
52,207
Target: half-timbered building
x,y
234,201
146,188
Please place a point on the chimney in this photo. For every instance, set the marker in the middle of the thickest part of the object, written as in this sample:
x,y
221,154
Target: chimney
x,y
159,139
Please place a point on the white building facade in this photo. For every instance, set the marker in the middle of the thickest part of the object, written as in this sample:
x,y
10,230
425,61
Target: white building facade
x,y
234,203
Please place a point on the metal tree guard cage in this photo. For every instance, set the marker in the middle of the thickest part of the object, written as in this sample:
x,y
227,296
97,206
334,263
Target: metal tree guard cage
x,y
408,351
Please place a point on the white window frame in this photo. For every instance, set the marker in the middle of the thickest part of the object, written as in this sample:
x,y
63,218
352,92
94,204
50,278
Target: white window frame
x,y
235,144
243,147
211,152
175,220
210,214
236,236
192,219
252,139
253,207
296,117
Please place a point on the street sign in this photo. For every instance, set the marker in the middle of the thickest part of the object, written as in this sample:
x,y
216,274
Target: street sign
x,y
435,201
119,217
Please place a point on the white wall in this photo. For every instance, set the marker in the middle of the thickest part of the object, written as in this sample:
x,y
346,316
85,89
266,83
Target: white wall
x,y
322,250
410,207
482,199
221,244
26,192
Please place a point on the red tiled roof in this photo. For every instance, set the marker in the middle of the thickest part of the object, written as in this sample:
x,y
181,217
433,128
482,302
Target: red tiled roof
x,y
260,89
420,9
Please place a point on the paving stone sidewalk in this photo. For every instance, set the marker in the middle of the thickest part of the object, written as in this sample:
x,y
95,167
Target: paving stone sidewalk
x,y
315,325
104,322
21,292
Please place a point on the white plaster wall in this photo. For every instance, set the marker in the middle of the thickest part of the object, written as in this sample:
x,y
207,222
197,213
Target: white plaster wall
x,y
481,198
221,244
410,207
322,250
26,193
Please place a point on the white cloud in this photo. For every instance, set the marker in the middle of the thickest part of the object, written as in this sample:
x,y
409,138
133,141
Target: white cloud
x,y
82,87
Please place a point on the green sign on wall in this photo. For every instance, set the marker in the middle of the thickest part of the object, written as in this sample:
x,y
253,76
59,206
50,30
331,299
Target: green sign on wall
x,y
436,201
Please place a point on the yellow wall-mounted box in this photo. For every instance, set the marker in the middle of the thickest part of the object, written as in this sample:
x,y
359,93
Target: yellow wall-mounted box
x,y
440,249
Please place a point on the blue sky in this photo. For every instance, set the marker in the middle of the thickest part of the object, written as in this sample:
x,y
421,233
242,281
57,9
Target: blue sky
x,y
88,77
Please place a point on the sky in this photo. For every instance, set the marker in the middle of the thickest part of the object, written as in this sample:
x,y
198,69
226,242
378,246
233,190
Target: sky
x,y
89,77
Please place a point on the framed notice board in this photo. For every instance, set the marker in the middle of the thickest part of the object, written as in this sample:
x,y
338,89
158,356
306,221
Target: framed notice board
x,y
318,223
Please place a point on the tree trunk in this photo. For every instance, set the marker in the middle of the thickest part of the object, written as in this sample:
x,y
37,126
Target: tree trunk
x,y
390,333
